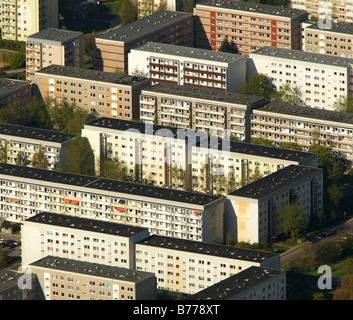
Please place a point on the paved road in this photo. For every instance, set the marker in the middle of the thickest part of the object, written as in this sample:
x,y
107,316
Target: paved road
x,y
15,252
297,251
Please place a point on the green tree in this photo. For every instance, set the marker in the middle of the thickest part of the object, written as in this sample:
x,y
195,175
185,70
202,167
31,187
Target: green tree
x,y
40,160
128,12
3,152
335,195
263,142
89,40
287,94
291,146
326,251
80,157
295,221
319,296
39,114
21,159
344,104
15,60
258,85
225,46
115,169
345,289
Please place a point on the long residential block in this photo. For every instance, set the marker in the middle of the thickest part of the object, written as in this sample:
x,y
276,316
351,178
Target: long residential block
x,y
250,26
320,80
254,283
28,142
80,239
305,126
111,49
255,213
66,279
186,66
104,93
185,159
14,92
29,191
222,114
189,266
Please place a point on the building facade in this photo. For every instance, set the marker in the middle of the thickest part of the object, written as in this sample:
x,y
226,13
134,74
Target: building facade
x,y
189,66
51,234
29,191
173,158
111,49
254,283
66,279
334,41
103,93
53,46
341,11
21,143
14,92
222,114
304,126
255,212
189,266
250,26
148,7
20,19
319,80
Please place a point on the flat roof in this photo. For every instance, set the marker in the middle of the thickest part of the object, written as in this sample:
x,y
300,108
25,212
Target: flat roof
x,y
53,34
203,93
145,26
8,85
254,7
187,52
91,74
207,248
34,133
344,28
303,56
91,269
85,224
275,181
312,114
128,188
236,284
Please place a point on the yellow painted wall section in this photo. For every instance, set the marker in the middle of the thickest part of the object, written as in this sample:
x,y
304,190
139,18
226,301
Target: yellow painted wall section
x,y
242,209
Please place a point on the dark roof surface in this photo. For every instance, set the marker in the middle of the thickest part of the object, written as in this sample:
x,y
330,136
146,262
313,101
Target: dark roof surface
x,y
91,269
236,284
66,221
275,181
34,133
128,188
207,248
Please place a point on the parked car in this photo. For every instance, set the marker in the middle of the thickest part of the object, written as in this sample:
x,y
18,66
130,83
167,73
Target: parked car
x,y
11,245
330,232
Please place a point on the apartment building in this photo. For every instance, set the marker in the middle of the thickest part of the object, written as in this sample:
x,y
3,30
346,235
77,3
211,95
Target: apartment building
x,y
341,10
111,49
334,41
14,92
250,26
189,266
53,46
254,283
181,214
320,80
27,142
148,7
305,126
10,289
221,167
189,66
66,279
223,114
186,159
21,18
70,237
104,93
255,212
